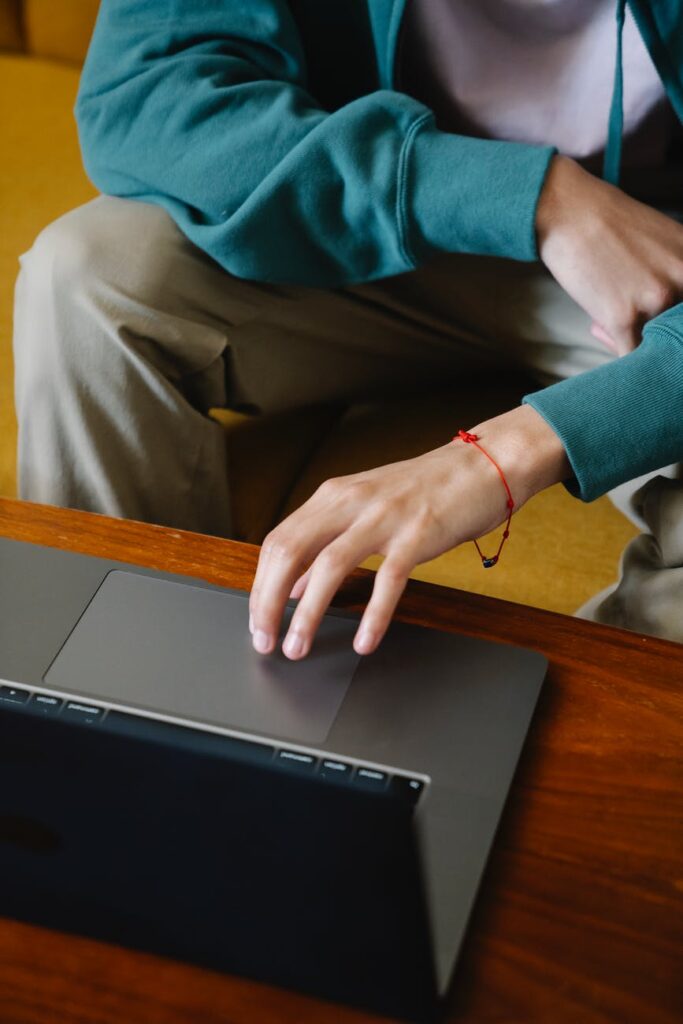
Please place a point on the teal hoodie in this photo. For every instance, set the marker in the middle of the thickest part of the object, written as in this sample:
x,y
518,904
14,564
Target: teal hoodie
x,y
272,133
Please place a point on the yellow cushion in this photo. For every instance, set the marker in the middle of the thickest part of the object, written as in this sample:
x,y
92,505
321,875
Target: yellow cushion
x,y
560,550
41,177
60,29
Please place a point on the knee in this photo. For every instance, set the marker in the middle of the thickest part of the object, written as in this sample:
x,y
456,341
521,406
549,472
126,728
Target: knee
x,y
73,255
95,251
62,259
56,274
87,269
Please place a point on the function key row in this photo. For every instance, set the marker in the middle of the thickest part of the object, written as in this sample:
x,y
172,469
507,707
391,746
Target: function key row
x,y
373,779
50,707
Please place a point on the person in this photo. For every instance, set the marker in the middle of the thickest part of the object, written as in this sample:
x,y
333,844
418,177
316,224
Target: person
x,y
310,202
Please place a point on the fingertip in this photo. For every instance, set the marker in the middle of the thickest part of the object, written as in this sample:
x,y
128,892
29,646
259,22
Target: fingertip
x,y
365,641
263,643
295,646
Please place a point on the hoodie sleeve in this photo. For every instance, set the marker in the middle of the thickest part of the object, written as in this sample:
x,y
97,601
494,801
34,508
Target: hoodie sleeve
x,y
624,418
204,109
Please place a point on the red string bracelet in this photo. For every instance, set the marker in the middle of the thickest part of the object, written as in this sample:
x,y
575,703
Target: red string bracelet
x,y
488,562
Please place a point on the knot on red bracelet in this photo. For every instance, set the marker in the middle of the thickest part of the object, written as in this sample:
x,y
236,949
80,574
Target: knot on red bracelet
x,y
464,436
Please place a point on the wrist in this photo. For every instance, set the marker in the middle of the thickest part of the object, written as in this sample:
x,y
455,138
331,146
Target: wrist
x,y
561,198
528,451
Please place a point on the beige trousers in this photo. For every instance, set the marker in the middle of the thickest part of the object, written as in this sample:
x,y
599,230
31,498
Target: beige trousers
x,y
126,335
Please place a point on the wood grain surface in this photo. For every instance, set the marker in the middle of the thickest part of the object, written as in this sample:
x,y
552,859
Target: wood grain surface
x,y
580,917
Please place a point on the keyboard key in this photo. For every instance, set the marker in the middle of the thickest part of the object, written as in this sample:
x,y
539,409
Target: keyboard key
x,y
406,788
86,714
295,759
13,695
339,771
371,778
44,704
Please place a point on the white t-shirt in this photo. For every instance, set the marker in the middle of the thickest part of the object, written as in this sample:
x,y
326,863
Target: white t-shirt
x,y
541,72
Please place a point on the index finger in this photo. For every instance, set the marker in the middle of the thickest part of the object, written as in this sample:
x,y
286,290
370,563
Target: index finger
x,y
286,553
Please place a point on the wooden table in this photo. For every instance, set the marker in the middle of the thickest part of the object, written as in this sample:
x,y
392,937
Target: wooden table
x,y
580,918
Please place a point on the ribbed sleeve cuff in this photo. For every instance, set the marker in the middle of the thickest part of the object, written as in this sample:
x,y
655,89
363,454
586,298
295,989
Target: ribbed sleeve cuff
x,y
624,418
471,195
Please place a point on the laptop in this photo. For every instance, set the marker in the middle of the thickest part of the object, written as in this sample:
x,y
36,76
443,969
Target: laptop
x,y
321,825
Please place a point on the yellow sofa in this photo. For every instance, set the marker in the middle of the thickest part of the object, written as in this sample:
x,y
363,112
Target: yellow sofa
x,y
560,551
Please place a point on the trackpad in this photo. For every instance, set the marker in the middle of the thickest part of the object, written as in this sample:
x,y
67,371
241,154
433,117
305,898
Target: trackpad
x,y
185,651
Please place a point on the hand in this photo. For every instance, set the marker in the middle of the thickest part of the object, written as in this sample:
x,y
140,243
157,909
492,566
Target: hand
x,y
409,512
620,260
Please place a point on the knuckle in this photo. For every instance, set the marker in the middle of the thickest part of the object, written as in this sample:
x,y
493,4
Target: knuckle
x,y
423,522
382,507
331,560
359,496
410,536
352,491
394,572
331,488
658,296
282,548
268,541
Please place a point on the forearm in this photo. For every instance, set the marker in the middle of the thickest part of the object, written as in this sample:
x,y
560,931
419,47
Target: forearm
x,y
622,262
268,181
